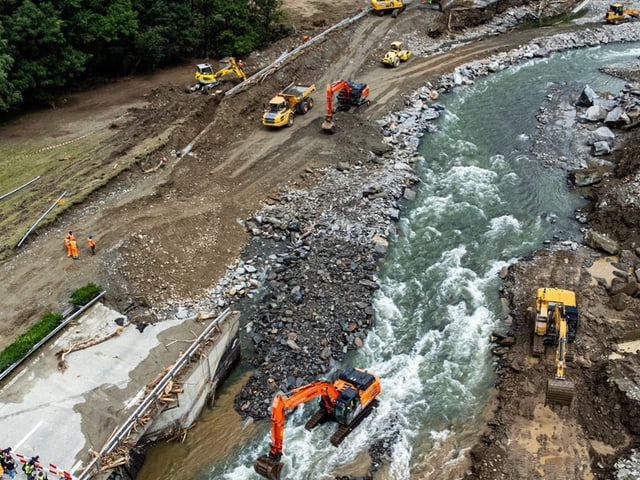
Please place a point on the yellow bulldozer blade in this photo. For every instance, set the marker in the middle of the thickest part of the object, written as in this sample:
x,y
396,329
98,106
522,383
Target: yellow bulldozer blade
x,y
559,392
268,467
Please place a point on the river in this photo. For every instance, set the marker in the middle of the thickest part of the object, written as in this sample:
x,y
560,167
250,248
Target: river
x,y
485,200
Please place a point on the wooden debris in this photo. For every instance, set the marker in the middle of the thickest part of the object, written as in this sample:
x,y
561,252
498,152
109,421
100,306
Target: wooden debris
x,y
62,353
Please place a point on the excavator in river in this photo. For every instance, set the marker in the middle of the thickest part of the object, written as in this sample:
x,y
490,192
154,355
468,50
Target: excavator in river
x,y
346,401
350,95
207,78
556,323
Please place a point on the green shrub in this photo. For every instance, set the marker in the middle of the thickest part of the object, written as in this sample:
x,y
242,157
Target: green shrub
x,y
28,339
85,294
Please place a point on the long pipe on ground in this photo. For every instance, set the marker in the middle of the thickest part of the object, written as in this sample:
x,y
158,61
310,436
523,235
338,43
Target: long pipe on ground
x,y
8,194
40,219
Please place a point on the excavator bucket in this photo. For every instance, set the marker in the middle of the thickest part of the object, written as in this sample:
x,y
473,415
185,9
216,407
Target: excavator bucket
x,y
329,126
559,392
268,467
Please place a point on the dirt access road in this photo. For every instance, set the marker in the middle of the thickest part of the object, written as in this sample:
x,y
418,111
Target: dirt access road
x,y
167,236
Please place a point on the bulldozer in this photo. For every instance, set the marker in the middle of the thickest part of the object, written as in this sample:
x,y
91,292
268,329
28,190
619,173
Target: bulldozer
x,y
380,7
349,95
618,13
347,401
556,323
396,54
207,78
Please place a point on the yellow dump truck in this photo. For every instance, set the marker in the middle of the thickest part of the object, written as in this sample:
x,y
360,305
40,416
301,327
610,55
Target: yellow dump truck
x,y
282,108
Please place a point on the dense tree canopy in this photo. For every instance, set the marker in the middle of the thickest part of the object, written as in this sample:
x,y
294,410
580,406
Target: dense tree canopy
x,y
49,45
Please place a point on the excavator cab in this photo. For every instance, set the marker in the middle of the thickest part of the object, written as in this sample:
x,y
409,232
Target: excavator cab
x,y
204,69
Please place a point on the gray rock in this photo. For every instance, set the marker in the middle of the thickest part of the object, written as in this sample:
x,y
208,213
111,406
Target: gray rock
x,y
601,148
587,97
595,113
601,242
602,134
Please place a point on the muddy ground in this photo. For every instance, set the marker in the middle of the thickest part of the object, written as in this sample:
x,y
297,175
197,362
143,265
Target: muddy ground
x,y
168,235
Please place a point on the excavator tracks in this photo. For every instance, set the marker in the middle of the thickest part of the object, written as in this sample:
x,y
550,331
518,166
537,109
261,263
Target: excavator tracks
x,y
320,417
344,430
538,345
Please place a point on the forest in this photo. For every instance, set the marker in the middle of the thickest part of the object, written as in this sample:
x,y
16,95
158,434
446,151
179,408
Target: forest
x,y
49,46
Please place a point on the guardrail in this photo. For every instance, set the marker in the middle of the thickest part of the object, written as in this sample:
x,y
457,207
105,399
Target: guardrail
x,y
128,425
288,56
51,334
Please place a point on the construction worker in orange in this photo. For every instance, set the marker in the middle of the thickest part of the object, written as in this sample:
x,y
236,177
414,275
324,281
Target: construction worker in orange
x,y
67,241
74,248
92,244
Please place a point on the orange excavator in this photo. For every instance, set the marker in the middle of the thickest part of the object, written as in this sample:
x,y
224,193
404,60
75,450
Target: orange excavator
x,y
350,95
346,401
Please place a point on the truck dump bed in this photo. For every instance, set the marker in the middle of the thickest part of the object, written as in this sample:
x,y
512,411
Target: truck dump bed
x,y
298,91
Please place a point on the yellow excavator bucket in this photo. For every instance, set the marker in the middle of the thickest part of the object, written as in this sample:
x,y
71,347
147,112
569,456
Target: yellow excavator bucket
x,y
559,392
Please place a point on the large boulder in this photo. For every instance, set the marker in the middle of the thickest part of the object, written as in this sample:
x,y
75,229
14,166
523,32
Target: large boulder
x,y
602,134
601,242
587,97
595,113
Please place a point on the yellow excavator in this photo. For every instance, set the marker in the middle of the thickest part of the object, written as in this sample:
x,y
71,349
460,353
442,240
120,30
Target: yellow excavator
x,y
556,323
207,78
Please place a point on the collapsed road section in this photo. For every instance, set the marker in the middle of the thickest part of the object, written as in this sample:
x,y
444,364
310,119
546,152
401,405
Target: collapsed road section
x,y
129,385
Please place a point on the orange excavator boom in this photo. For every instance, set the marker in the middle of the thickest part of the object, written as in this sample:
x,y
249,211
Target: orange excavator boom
x,y
283,403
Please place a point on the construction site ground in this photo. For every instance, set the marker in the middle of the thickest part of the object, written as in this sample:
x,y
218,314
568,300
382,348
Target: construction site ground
x,y
169,234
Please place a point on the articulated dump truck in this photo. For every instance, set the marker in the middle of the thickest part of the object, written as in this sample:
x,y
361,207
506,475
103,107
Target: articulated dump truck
x,y
294,99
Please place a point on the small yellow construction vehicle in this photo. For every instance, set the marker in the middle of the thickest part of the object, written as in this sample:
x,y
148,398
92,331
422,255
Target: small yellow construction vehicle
x,y
396,54
206,78
618,13
556,322
282,108
380,7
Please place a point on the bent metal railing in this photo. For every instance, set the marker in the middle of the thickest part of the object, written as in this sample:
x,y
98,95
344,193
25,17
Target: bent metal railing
x,y
51,334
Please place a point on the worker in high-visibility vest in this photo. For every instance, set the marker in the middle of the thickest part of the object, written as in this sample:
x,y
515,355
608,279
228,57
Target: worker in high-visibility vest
x,y
67,241
74,248
92,244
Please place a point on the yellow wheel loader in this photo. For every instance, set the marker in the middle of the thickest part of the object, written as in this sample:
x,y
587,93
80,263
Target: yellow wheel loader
x,y
556,322
207,78
618,13
396,54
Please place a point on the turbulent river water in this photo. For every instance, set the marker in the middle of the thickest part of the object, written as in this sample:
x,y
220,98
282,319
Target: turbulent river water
x,y
484,201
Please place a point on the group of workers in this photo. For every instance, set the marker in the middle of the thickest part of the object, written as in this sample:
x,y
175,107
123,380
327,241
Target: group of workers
x,y
72,245
31,467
